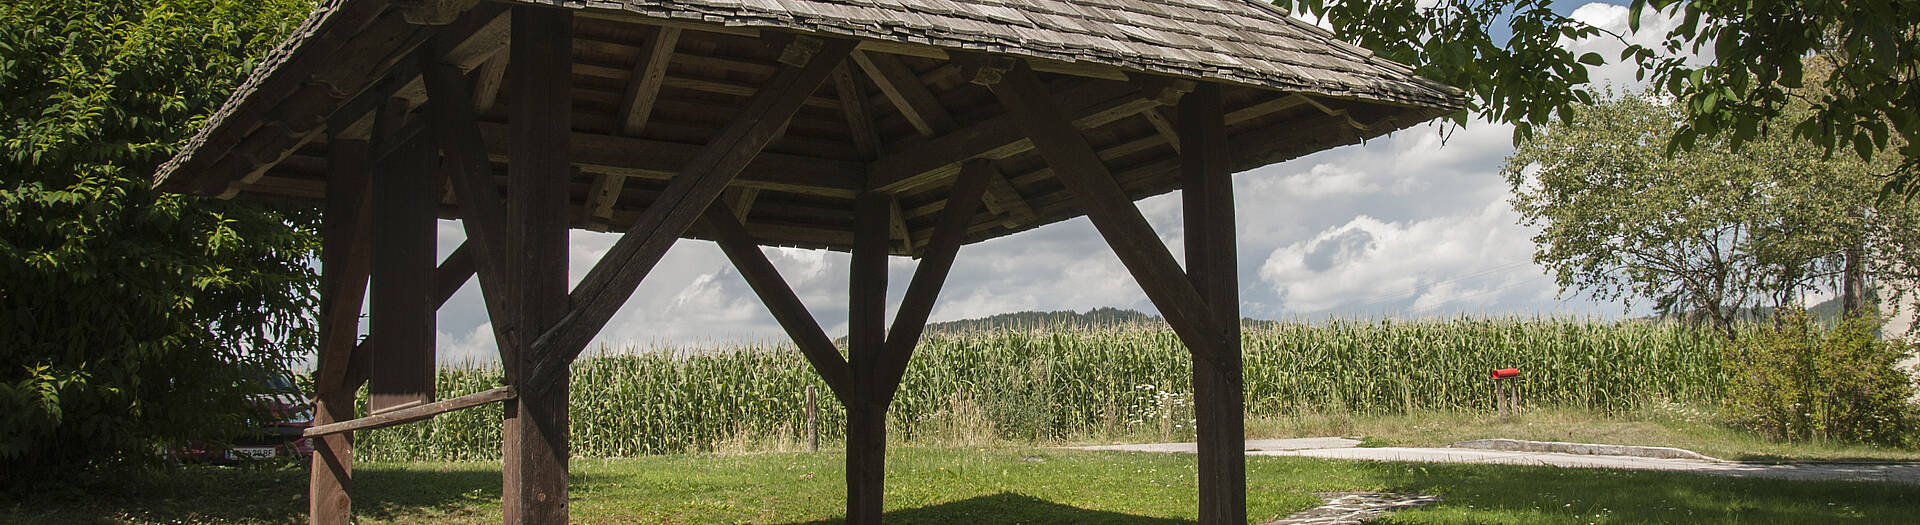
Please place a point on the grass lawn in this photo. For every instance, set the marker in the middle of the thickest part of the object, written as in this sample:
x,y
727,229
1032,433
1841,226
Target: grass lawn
x,y
974,486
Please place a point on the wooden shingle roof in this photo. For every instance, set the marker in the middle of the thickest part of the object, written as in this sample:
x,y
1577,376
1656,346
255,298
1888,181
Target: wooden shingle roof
x,y
653,80
1241,41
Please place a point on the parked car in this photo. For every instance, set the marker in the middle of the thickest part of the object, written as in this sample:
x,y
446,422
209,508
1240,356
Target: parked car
x,y
279,436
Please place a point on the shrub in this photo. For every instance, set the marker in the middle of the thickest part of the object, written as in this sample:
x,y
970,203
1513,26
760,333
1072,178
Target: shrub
x,y
1796,381
128,317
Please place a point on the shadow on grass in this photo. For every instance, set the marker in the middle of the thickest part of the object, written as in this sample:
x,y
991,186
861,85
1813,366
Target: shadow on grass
x,y
1008,507
267,493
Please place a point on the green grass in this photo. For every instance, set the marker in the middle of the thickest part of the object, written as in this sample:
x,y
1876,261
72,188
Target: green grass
x,y
975,486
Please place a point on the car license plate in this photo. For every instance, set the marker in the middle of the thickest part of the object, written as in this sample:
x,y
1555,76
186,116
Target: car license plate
x,y
251,452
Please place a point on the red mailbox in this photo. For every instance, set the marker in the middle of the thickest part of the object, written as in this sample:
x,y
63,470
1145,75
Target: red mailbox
x,y
1506,373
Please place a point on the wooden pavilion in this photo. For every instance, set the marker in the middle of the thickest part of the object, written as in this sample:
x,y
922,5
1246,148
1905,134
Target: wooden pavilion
x,y
877,127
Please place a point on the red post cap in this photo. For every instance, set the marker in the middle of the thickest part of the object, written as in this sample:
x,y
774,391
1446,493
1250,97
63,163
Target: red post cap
x,y
1506,373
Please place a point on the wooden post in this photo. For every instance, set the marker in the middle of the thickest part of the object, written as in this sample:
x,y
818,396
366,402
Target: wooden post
x,y
534,447
813,421
343,273
1203,305
401,306
1219,399
866,346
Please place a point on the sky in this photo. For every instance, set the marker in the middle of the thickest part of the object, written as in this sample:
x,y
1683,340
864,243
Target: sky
x,y
1415,224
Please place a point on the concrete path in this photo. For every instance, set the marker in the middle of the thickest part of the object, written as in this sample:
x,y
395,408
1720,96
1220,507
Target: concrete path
x,y
1263,445
1339,448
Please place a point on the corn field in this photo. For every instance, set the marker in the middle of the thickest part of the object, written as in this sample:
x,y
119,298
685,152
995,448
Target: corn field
x,y
1037,385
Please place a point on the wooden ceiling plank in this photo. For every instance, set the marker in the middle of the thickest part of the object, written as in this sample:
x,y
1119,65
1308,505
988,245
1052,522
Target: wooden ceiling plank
x,y
663,160
907,92
1092,105
649,72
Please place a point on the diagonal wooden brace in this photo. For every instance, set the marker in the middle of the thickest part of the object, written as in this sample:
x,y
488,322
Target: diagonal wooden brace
x,y
613,279
1093,187
911,319
780,299
481,212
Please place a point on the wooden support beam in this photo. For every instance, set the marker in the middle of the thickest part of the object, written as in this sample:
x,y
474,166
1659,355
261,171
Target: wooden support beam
x,y
853,102
1163,124
612,280
344,264
649,72
780,300
1092,105
741,200
1079,168
535,433
1269,106
487,81
433,12
911,320
453,273
866,351
605,191
479,36
897,229
1167,91
333,31
470,173
405,208
906,91
1003,200
1219,395
664,160
414,413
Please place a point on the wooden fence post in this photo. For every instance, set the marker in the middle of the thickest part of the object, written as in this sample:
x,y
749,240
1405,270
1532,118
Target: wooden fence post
x,y
813,421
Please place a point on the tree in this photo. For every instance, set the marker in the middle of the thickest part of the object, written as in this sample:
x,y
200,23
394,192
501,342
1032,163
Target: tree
x,y
130,318
1866,104
1706,231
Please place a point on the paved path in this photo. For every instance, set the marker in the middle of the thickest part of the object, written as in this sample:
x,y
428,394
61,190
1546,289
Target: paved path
x,y
1339,448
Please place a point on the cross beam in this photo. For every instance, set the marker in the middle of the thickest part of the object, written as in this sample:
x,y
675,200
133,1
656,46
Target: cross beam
x,y
612,280
1078,167
780,299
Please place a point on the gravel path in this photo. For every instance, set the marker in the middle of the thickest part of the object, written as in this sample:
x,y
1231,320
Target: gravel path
x,y
1340,448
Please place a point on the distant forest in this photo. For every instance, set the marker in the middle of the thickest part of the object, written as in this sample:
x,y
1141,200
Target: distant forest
x,y
1104,317
1097,318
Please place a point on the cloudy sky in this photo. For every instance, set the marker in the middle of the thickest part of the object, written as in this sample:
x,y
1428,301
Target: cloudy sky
x,y
1411,225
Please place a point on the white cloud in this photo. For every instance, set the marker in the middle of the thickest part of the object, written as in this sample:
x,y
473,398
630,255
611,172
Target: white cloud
x,y
1470,260
1654,26
470,347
